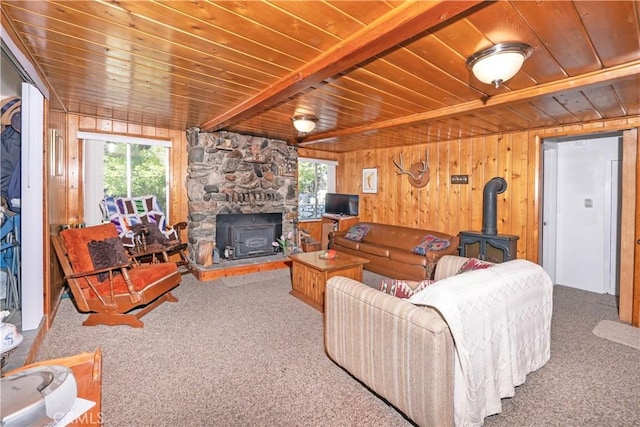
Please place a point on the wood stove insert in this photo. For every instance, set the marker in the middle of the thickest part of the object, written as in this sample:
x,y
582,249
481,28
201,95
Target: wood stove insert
x,y
247,235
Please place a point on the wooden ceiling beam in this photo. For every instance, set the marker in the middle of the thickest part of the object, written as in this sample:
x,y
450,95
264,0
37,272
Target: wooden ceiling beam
x,y
400,24
600,76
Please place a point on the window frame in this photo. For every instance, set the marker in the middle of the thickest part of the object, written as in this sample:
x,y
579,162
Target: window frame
x,y
93,185
331,179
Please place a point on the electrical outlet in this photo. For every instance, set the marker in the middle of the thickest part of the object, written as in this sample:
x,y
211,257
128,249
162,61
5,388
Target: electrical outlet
x,y
459,179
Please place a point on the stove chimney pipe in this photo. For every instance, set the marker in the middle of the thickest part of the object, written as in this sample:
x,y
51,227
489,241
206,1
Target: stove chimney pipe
x,y
492,188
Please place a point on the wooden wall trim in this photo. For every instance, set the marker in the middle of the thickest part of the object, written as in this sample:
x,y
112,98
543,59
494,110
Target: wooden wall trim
x,y
628,224
629,283
635,309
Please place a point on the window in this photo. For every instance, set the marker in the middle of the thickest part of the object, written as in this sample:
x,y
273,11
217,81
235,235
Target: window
x,y
143,166
123,166
315,179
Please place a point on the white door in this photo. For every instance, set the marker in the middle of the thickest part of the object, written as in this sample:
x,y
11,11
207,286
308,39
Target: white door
x,y
32,207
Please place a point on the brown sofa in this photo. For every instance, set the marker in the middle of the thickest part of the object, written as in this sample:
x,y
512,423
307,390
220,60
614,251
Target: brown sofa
x,y
389,249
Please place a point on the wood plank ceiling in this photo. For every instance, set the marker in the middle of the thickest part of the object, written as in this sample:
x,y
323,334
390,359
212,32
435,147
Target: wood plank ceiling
x,y
376,73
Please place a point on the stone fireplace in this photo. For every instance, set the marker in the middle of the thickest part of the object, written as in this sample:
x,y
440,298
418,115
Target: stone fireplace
x,y
229,176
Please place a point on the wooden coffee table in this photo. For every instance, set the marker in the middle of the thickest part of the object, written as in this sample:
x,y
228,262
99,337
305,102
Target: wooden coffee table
x,y
309,274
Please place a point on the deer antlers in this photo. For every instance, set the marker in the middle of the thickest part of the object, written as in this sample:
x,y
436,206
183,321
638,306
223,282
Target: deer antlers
x,y
418,172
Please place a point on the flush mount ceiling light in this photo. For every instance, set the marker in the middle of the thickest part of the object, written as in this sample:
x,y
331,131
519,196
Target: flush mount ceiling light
x,y
304,123
497,64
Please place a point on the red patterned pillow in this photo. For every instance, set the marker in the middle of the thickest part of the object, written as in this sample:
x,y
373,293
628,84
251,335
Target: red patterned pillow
x,y
357,232
403,288
431,243
474,264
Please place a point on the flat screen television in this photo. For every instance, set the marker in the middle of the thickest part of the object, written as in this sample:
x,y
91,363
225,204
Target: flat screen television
x,y
341,204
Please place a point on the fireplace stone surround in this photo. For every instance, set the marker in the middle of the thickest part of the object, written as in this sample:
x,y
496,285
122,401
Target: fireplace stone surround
x,y
230,173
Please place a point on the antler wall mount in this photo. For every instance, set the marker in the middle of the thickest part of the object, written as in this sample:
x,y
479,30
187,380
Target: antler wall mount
x,y
418,173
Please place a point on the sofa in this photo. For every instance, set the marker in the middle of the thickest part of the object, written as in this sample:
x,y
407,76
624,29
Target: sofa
x,y
449,353
395,251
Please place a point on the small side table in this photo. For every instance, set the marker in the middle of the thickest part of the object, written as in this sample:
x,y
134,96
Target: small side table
x,y
310,272
87,371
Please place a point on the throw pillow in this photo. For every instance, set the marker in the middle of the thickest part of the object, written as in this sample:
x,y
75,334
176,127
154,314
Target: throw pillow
x,y
474,264
357,232
431,243
107,253
403,288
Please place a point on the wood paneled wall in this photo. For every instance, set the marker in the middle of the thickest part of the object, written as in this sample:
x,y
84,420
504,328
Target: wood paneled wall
x,y
440,205
444,206
56,206
452,208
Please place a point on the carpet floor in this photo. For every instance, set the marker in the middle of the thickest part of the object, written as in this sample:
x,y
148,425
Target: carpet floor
x,y
240,351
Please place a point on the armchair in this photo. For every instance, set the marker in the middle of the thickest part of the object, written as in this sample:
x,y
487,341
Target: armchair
x,y
105,282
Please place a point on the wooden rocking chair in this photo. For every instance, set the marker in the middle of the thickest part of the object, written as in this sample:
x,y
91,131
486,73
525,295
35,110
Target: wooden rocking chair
x,y
106,282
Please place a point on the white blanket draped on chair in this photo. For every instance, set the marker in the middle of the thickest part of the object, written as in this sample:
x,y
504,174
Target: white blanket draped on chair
x,y
500,322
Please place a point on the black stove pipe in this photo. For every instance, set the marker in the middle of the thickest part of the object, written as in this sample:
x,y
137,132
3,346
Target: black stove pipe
x,y
491,190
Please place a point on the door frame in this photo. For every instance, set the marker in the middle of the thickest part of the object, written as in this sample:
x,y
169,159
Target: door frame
x,y
628,277
551,148
548,234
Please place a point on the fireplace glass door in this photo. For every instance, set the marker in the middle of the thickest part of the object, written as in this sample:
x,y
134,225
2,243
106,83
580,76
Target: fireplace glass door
x,y
493,248
252,240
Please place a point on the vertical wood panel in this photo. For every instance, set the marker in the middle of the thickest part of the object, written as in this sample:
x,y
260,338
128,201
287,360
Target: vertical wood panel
x,y
534,209
75,198
443,188
477,182
56,206
432,189
627,266
491,171
465,168
177,179
504,170
519,187
629,225
452,209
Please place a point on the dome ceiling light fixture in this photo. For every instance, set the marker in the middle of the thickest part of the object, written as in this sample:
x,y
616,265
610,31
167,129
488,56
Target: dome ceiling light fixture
x,y
304,123
497,64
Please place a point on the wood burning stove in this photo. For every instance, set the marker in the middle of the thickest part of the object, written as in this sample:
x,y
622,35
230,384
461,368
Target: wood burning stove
x,y
247,235
488,245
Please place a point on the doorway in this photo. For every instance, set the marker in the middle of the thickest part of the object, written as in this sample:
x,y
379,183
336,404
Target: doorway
x,y
581,211
16,82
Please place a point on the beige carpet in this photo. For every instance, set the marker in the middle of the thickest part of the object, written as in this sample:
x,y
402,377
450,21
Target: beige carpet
x,y
240,351
618,332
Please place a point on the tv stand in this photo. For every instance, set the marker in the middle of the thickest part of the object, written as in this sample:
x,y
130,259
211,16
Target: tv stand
x,y
335,222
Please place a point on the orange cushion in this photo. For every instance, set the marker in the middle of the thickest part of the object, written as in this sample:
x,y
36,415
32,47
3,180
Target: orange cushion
x,y
76,241
141,277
